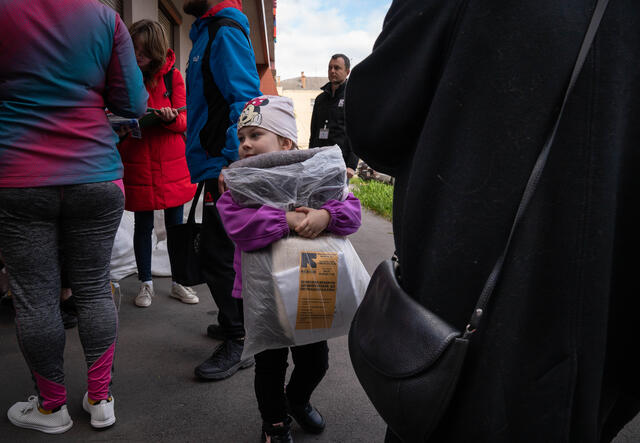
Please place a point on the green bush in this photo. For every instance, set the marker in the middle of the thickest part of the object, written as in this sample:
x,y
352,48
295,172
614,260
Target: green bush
x,y
375,196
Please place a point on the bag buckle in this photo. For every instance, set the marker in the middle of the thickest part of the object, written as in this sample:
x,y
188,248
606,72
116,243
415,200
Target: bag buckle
x,y
473,323
396,266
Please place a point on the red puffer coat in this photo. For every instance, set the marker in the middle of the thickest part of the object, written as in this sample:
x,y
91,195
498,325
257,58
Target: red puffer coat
x,y
155,168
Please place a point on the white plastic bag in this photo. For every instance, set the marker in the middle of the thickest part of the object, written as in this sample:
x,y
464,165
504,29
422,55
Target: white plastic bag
x,y
123,260
296,291
299,291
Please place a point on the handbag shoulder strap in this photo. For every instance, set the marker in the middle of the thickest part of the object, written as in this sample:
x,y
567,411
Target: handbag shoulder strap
x,y
532,184
192,212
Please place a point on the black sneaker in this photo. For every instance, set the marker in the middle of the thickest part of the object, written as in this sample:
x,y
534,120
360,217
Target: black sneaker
x,y
69,306
215,331
277,434
224,362
308,417
69,320
6,300
69,312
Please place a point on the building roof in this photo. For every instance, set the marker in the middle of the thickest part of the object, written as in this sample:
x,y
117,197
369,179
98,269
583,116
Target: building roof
x,y
311,83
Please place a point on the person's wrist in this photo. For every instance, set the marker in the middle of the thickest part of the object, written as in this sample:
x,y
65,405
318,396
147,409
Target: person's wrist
x,y
327,220
290,220
327,214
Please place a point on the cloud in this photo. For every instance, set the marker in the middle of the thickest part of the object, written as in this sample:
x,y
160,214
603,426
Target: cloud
x,y
310,31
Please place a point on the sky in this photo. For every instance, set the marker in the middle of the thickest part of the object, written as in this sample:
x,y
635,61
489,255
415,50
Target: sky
x,y
310,31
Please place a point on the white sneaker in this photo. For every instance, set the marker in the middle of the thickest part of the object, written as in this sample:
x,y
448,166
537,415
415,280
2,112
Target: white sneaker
x,y
102,415
184,293
26,414
143,299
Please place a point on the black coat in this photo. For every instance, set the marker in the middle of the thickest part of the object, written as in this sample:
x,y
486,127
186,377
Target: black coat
x,y
455,102
329,109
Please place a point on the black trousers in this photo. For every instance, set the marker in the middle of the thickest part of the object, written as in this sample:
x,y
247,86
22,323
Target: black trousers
x,y
216,255
310,364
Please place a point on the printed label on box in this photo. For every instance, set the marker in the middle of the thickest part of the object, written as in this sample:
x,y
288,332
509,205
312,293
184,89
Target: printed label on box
x,y
317,291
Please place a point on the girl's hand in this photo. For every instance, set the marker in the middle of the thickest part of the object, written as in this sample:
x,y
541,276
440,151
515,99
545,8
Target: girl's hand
x,y
294,219
167,114
315,221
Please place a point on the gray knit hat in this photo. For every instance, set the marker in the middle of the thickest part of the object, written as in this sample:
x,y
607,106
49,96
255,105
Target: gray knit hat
x,y
273,113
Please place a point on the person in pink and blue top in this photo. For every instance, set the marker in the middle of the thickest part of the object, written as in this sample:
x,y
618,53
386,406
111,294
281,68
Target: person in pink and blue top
x,y
252,228
61,189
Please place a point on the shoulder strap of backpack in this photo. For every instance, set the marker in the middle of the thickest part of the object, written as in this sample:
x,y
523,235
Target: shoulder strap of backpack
x,y
214,26
219,22
168,82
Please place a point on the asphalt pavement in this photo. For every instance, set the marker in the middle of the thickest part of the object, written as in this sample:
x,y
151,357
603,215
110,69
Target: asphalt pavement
x,y
159,399
157,396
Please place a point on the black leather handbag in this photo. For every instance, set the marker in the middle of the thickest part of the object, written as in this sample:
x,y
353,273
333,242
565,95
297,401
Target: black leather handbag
x,y
407,359
183,245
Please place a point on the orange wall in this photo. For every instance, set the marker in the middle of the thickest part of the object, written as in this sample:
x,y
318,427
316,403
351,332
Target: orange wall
x,y
267,83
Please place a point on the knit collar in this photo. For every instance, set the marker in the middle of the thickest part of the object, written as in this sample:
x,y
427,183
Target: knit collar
x,y
220,6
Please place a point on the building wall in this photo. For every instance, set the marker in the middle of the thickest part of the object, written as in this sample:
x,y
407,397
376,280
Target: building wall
x,y
139,9
134,10
183,42
303,107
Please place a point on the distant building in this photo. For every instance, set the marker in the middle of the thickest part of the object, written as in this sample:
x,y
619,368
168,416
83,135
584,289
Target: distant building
x,y
303,91
177,25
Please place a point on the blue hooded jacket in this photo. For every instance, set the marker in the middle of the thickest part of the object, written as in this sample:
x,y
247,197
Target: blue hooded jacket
x,y
217,91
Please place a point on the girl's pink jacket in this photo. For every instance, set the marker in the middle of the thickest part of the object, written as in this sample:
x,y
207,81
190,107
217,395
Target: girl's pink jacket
x,y
255,228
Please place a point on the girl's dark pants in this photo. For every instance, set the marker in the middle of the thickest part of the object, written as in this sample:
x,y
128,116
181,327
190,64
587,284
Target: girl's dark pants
x,y
310,364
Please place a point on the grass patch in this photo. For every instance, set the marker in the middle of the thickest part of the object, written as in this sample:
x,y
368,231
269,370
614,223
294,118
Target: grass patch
x,y
375,196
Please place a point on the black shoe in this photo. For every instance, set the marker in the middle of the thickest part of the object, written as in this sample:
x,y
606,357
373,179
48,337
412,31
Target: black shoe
x,y
6,300
69,306
69,312
277,434
224,362
307,417
69,320
215,331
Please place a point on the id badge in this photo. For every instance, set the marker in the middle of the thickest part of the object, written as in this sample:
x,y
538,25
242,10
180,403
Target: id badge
x,y
324,134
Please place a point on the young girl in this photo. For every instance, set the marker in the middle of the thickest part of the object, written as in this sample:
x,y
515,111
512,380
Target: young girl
x,y
267,124
155,167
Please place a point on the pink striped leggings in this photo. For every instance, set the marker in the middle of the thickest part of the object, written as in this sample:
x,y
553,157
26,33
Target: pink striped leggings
x,y
35,225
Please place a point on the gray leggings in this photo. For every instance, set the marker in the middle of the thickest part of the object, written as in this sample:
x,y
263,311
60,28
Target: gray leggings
x,y
35,225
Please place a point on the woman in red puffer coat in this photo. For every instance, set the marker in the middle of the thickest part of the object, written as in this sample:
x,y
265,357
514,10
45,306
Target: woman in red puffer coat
x,y
155,168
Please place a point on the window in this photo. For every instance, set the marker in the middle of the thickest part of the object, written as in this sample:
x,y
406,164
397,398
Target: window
x,y
115,4
167,24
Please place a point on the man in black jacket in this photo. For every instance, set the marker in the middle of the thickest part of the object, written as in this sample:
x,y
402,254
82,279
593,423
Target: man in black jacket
x,y
327,121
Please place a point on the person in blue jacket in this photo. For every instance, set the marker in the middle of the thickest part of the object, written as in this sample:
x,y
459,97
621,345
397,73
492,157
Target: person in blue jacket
x,y
221,78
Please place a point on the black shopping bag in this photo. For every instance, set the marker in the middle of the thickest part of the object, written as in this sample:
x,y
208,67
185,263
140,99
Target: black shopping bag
x,y
183,243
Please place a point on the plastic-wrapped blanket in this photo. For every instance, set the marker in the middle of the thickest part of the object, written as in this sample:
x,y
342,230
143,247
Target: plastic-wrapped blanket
x,y
288,179
296,291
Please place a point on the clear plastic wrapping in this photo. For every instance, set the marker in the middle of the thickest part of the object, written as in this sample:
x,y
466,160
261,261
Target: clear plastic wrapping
x,y
312,182
297,290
